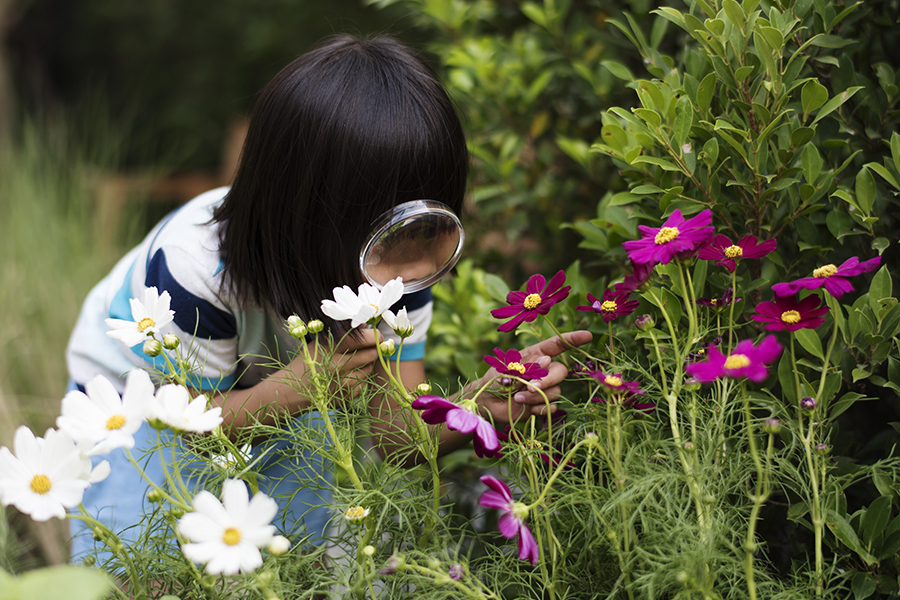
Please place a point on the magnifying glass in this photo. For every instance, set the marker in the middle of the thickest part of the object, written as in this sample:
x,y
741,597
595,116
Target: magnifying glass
x,y
419,241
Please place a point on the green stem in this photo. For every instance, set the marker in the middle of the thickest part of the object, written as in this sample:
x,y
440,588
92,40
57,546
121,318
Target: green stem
x,y
760,495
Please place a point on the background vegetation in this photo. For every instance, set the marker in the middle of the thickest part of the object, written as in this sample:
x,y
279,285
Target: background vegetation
x,y
564,168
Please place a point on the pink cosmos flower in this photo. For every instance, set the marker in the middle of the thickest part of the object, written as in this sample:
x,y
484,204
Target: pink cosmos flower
x,y
727,254
746,360
833,279
458,418
786,312
537,299
614,304
640,273
676,237
510,363
621,391
719,303
511,522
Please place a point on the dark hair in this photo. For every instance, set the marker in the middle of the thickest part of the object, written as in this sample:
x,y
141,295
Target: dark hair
x,y
341,135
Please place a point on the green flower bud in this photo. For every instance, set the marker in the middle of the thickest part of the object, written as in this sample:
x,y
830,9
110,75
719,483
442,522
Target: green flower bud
x,y
266,578
387,348
315,326
88,561
772,425
170,341
155,495
644,322
423,388
369,550
152,347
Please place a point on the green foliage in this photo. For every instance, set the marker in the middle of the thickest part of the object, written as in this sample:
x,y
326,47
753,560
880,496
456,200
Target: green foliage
x,y
51,583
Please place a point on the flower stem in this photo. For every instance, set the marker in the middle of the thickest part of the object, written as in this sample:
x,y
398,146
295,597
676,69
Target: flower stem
x,y
760,495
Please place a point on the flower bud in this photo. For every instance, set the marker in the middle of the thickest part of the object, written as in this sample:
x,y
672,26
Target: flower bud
x,y
387,348
152,347
692,384
155,495
808,403
682,577
293,321
315,326
170,341
299,331
689,446
88,561
279,545
644,322
395,563
772,425
423,388
457,571
369,550
507,382
266,578
822,448
434,564
176,513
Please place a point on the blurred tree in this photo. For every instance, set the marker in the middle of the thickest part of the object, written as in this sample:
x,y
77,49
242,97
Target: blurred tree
x,y
175,72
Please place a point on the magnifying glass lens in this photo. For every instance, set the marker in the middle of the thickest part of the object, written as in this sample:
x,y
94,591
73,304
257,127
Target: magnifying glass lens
x,y
419,241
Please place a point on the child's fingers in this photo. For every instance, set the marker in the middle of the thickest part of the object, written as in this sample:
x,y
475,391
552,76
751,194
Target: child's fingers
x,y
554,346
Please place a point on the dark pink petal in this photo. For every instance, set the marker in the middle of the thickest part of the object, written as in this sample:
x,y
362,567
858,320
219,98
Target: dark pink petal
x,y
516,321
768,350
837,286
486,434
555,284
535,285
715,248
509,525
794,287
528,548
753,250
505,312
462,420
674,220
492,499
710,369
497,485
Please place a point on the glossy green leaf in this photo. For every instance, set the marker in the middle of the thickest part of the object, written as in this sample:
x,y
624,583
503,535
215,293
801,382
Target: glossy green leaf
x,y
684,118
880,288
801,136
843,403
895,150
865,190
618,69
496,287
862,585
812,96
735,13
774,37
875,519
810,342
649,115
659,162
884,173
835,102
786,379
811,162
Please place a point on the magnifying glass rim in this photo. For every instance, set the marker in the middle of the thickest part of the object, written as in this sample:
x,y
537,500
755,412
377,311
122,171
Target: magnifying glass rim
x,y
402,212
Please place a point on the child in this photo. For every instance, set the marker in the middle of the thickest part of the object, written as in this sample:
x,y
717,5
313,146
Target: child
x,y
341,135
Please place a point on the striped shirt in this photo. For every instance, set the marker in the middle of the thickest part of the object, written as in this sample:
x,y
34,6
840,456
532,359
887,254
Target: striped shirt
x,y
231,345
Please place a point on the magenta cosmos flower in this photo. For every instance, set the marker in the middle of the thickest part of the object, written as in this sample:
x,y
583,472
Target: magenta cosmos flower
x,y
537,299
464,419
727,254
746,360
719,303
621,391
786,312
511,522
614,304
833,279
676,237
640,273
510,363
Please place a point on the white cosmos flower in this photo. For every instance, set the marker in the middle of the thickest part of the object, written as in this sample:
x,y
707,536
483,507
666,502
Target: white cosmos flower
x,y
368,304
227,535
231,462
149,317
400,322
174,407
101,417
44,477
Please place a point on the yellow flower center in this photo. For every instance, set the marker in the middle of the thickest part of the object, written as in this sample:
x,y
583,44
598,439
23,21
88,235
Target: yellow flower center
x,y
145,323
375,306
666,235
714,301
519,510
354,513
532,301
734,252
516,366
115,422
534,444
737,361
232,536
613,381
826,271
609,306
40,484
790,316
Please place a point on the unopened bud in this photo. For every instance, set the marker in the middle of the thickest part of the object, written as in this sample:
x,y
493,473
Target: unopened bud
x,y
682,577
279,545
170,341
395,563
507,381
299,331
644,322
266,578
387,348
457,571
88,561
689,446
434,564
294,321
369,550
155,495
772,425
423,388
692,384
822,448
315,326
152,347
808,403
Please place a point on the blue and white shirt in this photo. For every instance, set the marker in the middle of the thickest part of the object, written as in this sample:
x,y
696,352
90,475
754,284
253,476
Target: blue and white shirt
x,y
230,344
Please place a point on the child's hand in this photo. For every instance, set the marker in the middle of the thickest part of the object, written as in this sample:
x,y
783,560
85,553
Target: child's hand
x,y
528,401
351,363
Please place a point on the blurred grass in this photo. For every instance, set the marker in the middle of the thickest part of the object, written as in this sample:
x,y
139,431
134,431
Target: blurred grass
x,y
51,254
